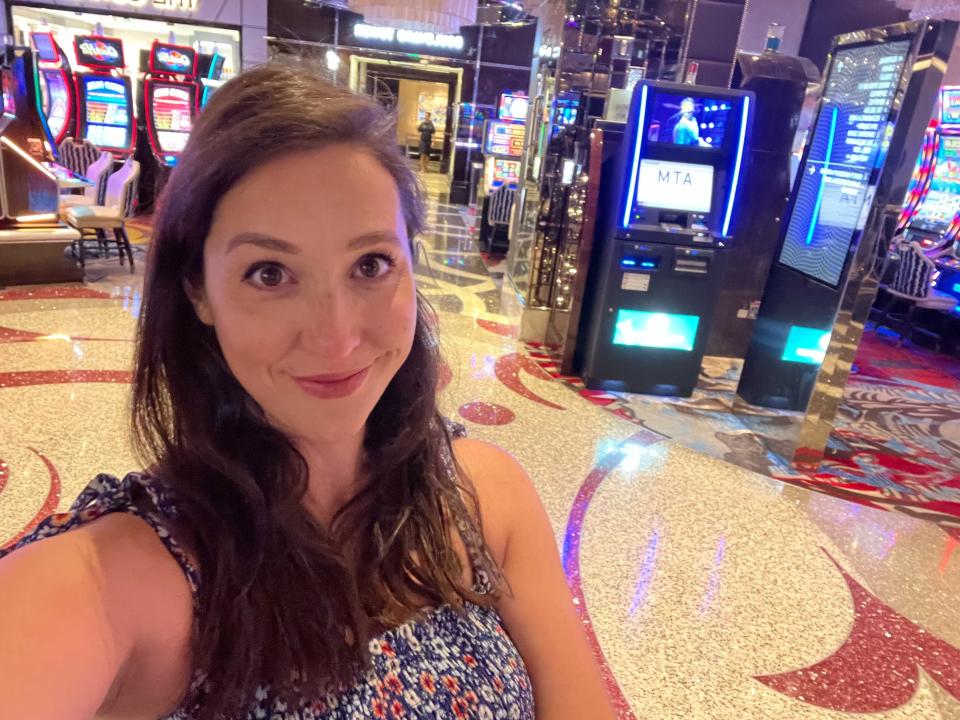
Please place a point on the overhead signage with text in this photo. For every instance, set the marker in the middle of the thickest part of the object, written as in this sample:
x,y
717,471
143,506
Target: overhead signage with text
x,y
403,36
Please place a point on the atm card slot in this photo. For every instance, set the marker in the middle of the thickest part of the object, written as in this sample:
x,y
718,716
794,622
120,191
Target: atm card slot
x,y
687,266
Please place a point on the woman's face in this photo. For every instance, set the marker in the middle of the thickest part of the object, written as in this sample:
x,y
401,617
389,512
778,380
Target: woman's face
x,y
308,283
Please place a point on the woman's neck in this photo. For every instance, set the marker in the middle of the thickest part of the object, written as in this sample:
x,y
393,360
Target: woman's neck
x,y
335,473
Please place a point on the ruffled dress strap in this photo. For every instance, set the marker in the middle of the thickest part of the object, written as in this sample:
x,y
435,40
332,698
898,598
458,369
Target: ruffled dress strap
x,y
137,494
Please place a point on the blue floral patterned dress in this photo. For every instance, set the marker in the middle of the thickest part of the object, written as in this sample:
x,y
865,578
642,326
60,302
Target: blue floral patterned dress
x,y
447,664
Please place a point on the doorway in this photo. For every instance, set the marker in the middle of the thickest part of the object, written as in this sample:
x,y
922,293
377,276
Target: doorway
x,y
412,90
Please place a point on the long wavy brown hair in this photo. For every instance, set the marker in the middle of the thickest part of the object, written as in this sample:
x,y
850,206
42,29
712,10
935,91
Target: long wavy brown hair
x,y
285,600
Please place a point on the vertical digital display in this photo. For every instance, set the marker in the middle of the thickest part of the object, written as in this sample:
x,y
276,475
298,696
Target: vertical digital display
x,y
108,112
172,116
848,143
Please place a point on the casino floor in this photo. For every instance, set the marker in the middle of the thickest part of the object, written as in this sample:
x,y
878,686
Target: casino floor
x,y
708,591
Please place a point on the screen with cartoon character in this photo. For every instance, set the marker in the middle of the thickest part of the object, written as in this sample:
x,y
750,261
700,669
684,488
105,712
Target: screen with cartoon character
x,y
689,120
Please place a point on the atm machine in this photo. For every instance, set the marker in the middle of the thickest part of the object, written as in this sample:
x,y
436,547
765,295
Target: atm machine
x,y
104,95
668,222
56,86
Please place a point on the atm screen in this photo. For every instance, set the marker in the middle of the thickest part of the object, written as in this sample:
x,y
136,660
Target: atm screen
x,y
675,185
172,116
108,112
943,199
834,186
689,120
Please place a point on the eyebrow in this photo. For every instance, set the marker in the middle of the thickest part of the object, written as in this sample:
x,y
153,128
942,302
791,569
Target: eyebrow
x,y
374,238
267,242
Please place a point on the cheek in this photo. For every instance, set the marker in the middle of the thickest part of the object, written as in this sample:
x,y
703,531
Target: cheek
x,y
395,325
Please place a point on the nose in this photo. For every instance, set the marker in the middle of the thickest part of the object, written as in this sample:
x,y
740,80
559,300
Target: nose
x,y
331,326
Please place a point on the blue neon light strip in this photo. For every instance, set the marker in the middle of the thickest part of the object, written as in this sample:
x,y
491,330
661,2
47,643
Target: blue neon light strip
x,y
956,287
826,164
631,191
744,116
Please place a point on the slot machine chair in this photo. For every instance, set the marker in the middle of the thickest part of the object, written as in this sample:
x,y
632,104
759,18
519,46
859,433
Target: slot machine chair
x,y
911,286
93,221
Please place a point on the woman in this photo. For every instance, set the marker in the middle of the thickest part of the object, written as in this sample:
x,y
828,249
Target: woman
x,y
304,544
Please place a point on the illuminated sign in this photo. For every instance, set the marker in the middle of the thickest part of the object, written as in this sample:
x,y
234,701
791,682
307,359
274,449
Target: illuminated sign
x,y
98,52
423,38
679,186
668,331
505,138
173,59
950,108
806,345
189,6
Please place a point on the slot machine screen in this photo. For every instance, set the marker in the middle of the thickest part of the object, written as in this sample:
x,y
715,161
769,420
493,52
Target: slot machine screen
x,y
9,102
513,107
943,199
950,109
679,119
505,138
108,111
172,118
506,171
835,189
46,46
53,88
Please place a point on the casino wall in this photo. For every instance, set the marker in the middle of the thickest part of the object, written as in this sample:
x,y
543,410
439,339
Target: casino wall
x,y
246,17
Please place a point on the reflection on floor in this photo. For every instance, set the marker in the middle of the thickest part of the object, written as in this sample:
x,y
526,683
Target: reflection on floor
x,y
707,590
896,444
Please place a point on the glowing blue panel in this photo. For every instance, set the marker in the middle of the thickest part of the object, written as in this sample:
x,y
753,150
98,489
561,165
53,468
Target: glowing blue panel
x,y
806,345
744,117
638,328
635,169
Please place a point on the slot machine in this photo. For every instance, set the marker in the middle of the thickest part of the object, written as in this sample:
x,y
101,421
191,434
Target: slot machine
x,y
104,95
33,243
168,104
56,86
933,200
670,213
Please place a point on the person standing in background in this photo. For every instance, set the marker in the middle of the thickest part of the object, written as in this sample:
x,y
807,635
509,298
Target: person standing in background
x,y
426,130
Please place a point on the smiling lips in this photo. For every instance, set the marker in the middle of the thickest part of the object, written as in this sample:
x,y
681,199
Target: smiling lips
x,y
333,386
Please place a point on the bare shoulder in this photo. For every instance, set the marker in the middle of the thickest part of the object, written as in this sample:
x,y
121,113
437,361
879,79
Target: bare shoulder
x,y
84,606
504,490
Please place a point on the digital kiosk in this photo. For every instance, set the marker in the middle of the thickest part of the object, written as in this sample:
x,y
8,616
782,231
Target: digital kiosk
x,y
837,183
663,238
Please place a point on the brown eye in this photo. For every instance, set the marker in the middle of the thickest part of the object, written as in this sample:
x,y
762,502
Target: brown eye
x,y
266,275
374,266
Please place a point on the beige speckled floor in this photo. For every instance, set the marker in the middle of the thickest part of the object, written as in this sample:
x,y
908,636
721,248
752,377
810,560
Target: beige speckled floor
x,y
710,592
